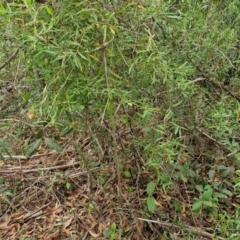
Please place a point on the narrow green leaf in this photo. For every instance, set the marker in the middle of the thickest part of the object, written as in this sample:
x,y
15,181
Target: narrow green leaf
x,y
49,10
150,188
151,204
33,148
66,130
53,144
174,17
5,144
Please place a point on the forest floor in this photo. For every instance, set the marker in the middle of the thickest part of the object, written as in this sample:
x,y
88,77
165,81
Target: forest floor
x,y
54,195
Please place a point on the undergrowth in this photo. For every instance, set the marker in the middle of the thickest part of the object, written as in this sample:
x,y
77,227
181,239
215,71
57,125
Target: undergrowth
x,y
148,89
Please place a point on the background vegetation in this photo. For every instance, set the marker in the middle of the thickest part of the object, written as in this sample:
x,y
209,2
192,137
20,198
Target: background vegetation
x,y
147,92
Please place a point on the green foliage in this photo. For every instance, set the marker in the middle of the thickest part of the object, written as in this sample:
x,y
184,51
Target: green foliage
x,y
4,148
113,232
150,199
51,143
203,200
169,69
33,148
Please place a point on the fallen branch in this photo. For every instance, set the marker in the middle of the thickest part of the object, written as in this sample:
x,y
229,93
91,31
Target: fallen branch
x,y
212,139
195,230
15,169
23,157
17,120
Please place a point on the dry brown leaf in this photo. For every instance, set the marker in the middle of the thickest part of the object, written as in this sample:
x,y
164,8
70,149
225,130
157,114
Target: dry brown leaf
x,y
65,225
183,208
102,226
139,228
158,204
7,228
95,235
49,161
52,236
30,113
57,208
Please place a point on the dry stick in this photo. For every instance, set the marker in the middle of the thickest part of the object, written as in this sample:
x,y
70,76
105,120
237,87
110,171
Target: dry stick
x,y
195,230
225,88
22,157
14,169
212,139
112,128
115,158
33,213
17,120
93,226
11,58
85,162
226,58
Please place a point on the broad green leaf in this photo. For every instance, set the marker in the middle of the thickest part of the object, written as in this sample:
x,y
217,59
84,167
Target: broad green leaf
x,y
127,174
8,193
120,166
53,144
197,206
151,204
33,148
90,207
66,130
39,134
227,192
184,179
68,185
207,194
211,174
110,110
219,195
150,188
113,227
207,203
107,232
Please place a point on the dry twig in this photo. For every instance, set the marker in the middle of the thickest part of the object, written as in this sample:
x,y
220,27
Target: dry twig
x,y
11,58
194,230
